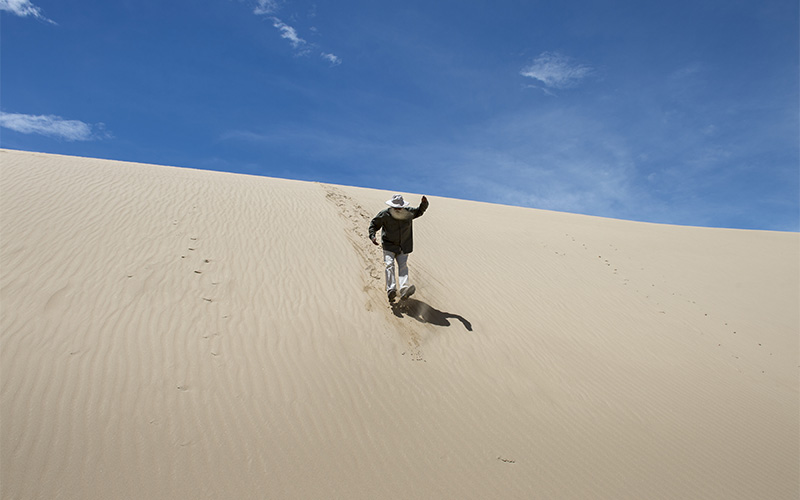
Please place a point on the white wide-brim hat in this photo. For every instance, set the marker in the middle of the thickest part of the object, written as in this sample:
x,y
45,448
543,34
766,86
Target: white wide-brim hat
x,y
397,201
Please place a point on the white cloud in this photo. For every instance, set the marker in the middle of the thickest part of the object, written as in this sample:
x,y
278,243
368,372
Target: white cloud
x,y
266,7
331,58
53,126
556,70
288,33
23,8
269,8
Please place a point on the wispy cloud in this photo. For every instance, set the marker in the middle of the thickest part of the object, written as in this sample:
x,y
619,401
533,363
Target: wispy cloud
x,y
596,177
331,58
269,8
24,8
556,71
264,7
289,33
53,126
559,160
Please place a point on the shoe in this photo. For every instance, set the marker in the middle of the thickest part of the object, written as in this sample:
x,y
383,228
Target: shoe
x,y
408,292
392,294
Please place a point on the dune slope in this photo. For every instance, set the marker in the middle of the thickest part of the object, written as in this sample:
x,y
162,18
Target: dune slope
x,y
175,333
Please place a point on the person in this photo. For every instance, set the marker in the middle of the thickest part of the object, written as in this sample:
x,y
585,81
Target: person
x,y
398,241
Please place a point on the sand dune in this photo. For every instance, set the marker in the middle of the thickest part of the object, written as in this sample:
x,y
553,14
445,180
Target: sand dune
x,y
175,333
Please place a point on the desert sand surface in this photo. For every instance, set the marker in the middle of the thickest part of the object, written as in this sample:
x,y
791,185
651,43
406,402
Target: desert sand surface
x,y
177,333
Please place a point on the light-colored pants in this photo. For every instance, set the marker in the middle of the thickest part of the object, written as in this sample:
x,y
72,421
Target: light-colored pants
x,y
402,270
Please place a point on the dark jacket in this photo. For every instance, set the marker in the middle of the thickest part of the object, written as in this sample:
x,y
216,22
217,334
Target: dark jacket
x,y
398,236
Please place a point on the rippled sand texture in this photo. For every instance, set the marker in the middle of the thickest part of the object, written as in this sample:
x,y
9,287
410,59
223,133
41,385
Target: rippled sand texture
x,y
175,333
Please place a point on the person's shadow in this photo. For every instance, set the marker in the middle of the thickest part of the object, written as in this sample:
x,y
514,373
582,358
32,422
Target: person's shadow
x,y
424,313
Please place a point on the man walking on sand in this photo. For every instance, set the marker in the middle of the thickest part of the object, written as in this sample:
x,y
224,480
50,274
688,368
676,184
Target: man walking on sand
x,y
397,240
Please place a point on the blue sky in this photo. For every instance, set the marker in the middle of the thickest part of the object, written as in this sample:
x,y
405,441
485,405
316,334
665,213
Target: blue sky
x,y
681,112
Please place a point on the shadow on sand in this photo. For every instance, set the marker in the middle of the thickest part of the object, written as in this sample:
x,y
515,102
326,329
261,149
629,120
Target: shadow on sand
x,y
424,313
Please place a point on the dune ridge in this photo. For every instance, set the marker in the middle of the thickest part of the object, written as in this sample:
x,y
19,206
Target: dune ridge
x,y
176,333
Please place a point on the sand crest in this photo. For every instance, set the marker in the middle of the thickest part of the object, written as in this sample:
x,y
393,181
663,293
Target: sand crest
x,y
176,333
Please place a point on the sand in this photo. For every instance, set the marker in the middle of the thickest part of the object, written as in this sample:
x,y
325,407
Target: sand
x,y
176,333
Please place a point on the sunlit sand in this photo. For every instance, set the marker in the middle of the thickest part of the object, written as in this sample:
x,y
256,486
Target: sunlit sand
x,y
177,333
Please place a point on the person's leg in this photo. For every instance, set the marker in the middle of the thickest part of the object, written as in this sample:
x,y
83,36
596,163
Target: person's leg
x,y
402,271
388,261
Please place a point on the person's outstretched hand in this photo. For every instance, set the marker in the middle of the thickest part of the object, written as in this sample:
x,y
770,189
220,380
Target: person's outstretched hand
x,y
424,199
374,242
